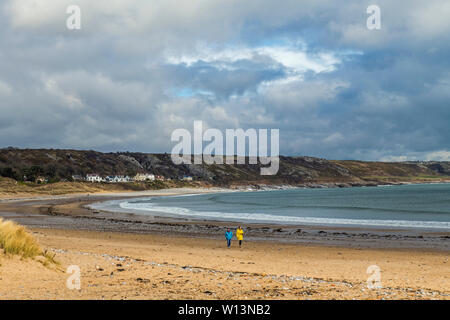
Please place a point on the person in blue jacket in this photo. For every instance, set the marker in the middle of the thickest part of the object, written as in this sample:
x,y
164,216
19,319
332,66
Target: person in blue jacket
x,y
229,236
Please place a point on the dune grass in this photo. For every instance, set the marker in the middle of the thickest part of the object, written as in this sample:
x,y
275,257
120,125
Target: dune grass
x,y
16,240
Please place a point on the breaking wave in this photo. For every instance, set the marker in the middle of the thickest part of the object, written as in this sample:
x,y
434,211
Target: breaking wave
x,y
146,206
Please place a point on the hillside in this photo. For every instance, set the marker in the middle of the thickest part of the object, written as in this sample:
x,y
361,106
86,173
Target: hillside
x,y
60,165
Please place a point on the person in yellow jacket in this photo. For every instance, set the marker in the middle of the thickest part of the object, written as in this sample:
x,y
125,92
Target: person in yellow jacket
x,y
240,235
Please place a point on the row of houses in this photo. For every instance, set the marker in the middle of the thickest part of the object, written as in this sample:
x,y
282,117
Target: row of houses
x,y
140,177
93,177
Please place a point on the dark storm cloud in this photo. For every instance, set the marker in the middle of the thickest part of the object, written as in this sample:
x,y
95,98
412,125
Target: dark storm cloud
x,y
139,69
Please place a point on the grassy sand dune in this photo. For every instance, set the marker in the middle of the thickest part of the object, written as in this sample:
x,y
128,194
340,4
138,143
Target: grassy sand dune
x,y
10,188
17,240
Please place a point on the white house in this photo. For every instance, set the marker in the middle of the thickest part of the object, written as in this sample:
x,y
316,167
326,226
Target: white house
x,y
41,179
77,177
109,179
93,177
144,177
118,179
125,179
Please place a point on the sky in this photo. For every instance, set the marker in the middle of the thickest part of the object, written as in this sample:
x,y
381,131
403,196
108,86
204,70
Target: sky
x,y
139,69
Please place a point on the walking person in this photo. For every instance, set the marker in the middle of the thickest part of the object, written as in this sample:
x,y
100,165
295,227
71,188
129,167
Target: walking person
x,y
229,236
240,235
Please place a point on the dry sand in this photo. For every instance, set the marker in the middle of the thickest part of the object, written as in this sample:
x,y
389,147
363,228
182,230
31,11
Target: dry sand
x,y
132,266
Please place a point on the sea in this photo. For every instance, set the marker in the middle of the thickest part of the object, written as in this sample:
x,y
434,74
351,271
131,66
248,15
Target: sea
x,y
416,206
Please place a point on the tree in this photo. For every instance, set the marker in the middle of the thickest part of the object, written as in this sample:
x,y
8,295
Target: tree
x,y
9,172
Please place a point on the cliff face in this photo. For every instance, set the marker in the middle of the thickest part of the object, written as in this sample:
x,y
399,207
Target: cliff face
x,y
56,165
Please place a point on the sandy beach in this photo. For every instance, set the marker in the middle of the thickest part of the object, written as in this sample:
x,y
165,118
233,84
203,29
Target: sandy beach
x,y
130,257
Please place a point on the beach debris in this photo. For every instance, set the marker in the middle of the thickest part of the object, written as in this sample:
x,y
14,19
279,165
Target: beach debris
x,y
280,282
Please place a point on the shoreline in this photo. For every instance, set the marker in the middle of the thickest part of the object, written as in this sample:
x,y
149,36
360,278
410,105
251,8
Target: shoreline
x,y
72,213
256,187
331,185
